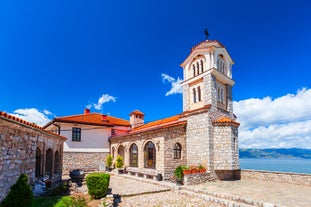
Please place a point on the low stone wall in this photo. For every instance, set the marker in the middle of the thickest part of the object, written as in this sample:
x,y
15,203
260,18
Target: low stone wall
x,y
83,160
280,177
194,179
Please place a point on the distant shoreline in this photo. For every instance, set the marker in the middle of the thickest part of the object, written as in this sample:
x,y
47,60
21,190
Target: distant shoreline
x,y
276,153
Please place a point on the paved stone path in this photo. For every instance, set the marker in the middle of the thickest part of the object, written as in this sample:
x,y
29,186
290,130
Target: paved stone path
x,y
136,191
260,192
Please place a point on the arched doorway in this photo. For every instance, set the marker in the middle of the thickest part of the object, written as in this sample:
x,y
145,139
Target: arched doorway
x,y
38,162
150,155
49,162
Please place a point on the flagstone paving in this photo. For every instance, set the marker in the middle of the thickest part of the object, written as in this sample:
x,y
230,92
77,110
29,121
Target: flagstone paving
x,y
138,193
141,192
264,192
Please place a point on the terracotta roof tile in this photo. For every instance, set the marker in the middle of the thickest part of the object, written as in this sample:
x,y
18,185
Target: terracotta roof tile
x,y
137,112
207,44
21,121
93,119
158,124
225,120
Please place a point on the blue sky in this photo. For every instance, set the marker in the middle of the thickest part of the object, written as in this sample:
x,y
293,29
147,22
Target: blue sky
x,y
58,57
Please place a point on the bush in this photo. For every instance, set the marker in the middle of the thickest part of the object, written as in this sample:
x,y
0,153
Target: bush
x,y
119,161
109,160
97,184
179,172
19,193
68,201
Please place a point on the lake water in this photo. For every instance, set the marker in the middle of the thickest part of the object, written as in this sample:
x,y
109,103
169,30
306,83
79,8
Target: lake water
x,y
281,165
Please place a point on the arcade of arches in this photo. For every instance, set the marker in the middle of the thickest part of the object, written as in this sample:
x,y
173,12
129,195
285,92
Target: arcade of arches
x,y
28,149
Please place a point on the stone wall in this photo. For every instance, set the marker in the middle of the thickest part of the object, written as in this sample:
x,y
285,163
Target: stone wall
x,y
198,139
88,161
280,177
24,149
194,179
164,140
226,151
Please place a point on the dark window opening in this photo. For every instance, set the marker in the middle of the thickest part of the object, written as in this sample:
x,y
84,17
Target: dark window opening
x,y
76,134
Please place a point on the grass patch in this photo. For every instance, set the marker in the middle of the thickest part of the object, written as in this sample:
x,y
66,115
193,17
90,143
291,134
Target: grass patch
x,y
47,201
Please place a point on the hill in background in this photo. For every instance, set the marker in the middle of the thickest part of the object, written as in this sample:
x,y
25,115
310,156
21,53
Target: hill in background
x,y
276,153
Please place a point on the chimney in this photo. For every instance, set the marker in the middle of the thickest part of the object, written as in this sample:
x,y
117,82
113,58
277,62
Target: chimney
x,y
86,111
136,118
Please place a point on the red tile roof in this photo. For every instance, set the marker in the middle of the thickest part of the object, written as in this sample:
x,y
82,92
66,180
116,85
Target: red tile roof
x,y
158,124
21,121
224,120
207,44
93,119
137,112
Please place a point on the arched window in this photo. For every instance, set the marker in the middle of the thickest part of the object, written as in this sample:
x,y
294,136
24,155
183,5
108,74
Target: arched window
x,y
220,94
198,68
194,95
193,68
221,64
49,162
150,155
38,162
56,162
199,93
121,151
177,151
134,155
201,62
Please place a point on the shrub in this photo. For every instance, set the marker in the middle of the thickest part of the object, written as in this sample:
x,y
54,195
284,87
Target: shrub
x,y
97,184
19,193
109,160
67,201
179,172
119,161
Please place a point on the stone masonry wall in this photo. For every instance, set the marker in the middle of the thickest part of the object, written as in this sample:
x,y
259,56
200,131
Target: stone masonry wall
x,y
198,140
164,141
175,135
195,179
225,148
186,101
280,177
18,145
88,161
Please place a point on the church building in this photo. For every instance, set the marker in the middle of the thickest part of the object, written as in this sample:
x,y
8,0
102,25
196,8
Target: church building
x,y
205,133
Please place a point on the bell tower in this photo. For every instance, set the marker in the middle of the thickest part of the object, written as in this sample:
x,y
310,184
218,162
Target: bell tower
x,y
212,132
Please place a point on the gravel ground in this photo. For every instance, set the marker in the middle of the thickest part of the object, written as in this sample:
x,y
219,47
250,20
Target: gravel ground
x,y
164,199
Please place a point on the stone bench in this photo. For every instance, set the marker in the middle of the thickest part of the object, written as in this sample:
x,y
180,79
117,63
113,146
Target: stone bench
x,y
144,173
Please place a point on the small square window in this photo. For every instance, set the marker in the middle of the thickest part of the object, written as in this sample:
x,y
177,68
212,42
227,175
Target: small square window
x,y
76,134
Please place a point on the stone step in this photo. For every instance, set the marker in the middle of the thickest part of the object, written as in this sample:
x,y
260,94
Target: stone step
x,y
215,199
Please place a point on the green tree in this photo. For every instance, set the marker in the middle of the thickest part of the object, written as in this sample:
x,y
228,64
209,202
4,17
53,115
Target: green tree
x,y
20,193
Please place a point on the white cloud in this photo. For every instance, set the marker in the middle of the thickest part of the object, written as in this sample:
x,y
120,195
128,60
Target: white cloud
x,y
270,123
47,112
175,88
105,98
33,115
